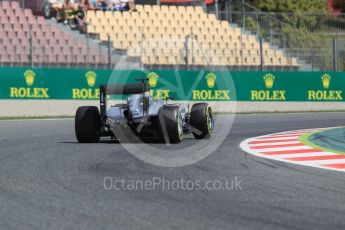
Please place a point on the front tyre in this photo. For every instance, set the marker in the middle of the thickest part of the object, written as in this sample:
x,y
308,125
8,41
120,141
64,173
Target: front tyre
x,y
171,124
201,120
87,124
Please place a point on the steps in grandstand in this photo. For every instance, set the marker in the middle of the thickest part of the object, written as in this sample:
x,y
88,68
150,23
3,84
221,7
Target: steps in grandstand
x,y
118,59
91,42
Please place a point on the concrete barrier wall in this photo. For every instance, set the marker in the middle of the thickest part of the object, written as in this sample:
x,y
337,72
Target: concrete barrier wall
x,y
48,108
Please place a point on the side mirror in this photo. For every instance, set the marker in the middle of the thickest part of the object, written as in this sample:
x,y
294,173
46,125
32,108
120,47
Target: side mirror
x,y
167,99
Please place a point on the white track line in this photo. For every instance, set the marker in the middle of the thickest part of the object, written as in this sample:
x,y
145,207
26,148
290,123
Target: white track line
x,y
268,150
276,143
269,138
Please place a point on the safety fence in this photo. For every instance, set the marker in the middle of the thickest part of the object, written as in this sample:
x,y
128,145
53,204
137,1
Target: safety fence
x,y
315,39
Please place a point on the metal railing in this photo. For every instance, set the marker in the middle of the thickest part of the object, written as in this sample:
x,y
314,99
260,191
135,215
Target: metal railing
x,y
317,40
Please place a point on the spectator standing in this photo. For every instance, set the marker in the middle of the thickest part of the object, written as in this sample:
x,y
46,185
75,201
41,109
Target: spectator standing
x,y
102,5
80,18
87,5
67,11
73,5
117,6
58,7
131,5
128,5
93,3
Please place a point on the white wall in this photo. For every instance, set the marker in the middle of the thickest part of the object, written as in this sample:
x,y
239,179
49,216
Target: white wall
x,y
30,108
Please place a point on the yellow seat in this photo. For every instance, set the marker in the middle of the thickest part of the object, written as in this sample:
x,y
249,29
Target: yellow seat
x,y
108,29
117,15
132,52
91,13
174,9
217,25
170,18
179,31
187,30
203,17
126,15
108,14
172,60
144,59
91,29
147,8
199,9
148,21
99,14
130,23
182,24
165,23
95,29
190,23
103,37
164,9
155,9
143,15
194,17
156,23
139,23
190,10
139,7
103,21
149,35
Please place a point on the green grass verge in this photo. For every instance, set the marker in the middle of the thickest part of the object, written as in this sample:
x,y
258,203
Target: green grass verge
x,y
305,140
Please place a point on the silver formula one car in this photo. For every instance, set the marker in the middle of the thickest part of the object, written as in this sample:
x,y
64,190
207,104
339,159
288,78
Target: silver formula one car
x,y
141,117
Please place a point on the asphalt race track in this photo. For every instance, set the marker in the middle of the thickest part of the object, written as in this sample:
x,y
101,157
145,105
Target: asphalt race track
x,y
48,181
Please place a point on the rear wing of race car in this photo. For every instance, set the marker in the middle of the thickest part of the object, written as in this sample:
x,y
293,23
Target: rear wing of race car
x,y
125,89
120,89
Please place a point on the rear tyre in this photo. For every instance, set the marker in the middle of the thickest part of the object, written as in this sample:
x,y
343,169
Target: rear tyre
x,y
201,120
88,124
171,124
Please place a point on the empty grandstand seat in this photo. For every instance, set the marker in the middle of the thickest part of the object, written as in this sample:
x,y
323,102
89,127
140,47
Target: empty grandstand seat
x,y
5,5
50,45
168,23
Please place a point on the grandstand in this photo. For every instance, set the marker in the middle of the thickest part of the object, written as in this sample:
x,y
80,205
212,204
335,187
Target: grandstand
x,y
155,36
29,40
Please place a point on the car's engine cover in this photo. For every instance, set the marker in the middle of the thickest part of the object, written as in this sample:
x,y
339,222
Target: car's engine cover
x,y
135,107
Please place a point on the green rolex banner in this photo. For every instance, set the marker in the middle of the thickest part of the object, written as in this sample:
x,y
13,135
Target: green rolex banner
x,y
83,84
289,86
